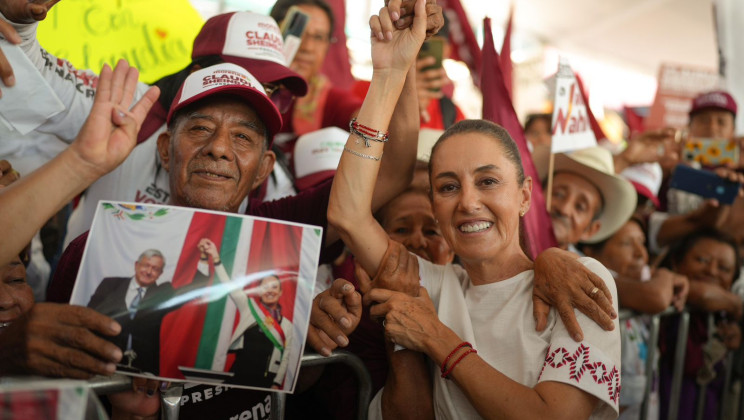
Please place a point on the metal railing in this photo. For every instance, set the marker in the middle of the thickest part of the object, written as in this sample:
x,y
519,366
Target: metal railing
x,y
364,380
678,368
170,399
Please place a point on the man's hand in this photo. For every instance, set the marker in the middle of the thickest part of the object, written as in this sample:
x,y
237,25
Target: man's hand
x,y
334,315
398,271
680,287
142,401
18,11
562,281
650,146
401,13
59,340
26,11
8,175
730,335
110,132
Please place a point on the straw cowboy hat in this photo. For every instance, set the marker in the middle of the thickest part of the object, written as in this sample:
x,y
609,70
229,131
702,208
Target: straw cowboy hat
x,y
618,195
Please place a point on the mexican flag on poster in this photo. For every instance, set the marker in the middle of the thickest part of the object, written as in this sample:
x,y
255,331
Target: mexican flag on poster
x,y
202,296
571,127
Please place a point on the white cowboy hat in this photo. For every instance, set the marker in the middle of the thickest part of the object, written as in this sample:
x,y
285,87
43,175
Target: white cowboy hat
x,y
618,195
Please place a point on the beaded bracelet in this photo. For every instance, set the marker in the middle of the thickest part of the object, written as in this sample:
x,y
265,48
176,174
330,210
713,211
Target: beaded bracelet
x,y
451,368
367,133
362,155
452,353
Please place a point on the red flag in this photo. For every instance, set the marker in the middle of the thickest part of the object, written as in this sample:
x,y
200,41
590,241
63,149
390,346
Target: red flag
x,y
336,65
598,133
461,37
497,107
505,57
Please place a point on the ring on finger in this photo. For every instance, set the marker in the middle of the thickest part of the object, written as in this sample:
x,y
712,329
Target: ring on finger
x,y
594,292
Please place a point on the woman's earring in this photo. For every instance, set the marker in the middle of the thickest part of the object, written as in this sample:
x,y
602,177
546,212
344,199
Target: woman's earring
x,y
521,213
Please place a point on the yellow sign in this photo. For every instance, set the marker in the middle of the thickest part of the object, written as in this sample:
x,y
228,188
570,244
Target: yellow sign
x,y
156,36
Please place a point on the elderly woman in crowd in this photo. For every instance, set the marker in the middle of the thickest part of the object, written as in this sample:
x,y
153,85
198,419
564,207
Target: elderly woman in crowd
x,y
710,261
643,290
479,194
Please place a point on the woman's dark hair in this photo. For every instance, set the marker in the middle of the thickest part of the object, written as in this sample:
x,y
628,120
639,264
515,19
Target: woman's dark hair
x,y
170,84
490,129
281,7
679,250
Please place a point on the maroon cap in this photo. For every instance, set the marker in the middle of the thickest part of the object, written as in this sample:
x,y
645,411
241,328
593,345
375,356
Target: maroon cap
x,y
233,79
252,41
717,99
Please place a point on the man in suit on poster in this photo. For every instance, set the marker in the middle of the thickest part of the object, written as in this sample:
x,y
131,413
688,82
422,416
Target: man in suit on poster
x,y
135,303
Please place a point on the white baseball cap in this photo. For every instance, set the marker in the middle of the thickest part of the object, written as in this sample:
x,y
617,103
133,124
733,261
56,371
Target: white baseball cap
x,y
232,79
316,156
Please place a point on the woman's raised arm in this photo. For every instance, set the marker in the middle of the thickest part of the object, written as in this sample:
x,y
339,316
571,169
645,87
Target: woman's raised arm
x,y
349,209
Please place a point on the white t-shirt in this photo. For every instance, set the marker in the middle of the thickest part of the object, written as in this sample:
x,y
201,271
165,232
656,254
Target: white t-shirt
x,y
497,319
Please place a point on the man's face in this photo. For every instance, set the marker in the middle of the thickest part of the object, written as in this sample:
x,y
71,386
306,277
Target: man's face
x,y
315,42
574,203
215,154
271,291
147,270
712,123
16,296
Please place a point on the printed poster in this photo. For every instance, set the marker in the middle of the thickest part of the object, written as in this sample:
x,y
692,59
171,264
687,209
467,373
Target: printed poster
x,y
202,296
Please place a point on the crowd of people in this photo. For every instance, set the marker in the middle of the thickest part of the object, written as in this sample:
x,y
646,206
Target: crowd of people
x,y
424,273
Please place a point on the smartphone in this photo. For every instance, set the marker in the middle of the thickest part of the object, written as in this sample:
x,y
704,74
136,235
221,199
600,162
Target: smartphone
x,y
705,184
433,47
292,27
711,152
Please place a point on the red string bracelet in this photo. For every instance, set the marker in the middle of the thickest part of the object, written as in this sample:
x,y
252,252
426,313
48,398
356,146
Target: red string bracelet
x,y
447,373
446,359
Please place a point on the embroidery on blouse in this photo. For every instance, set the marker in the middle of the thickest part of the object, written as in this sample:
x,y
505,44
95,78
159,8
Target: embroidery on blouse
x,y
579,363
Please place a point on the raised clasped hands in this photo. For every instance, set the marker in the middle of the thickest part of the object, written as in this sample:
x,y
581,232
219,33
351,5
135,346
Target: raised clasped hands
x,y
208,248
396,49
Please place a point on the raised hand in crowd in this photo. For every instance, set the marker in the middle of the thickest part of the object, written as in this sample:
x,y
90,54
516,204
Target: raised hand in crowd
x,y
334,315
661,146
59,340
429,84
106,139
563,282
18,11
401,13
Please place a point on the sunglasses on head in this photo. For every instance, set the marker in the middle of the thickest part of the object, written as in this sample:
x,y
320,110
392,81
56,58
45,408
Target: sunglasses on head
x,y
279,95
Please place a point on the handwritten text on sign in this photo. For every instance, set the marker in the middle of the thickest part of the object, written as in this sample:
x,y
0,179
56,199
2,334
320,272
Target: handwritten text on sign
x,y
156,36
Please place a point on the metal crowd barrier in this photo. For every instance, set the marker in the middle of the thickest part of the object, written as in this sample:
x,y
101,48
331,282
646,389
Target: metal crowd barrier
x,y
170,400
278,400
677,371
